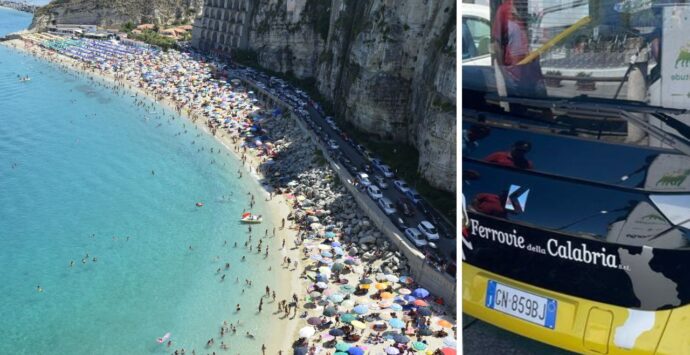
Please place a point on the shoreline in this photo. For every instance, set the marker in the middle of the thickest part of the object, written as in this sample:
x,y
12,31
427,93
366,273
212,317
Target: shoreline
x,y
277,208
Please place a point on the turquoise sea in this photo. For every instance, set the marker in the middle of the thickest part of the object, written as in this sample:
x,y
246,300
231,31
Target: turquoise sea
x,y
86,171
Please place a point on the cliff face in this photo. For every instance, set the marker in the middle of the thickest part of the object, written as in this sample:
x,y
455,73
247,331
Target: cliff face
x,y
387,65
113,13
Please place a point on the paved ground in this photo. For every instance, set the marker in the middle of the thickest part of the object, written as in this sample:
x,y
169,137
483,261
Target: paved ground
x,y
480,338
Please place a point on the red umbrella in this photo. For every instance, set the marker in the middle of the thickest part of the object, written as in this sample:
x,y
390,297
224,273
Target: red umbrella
x,y
420,303
449,351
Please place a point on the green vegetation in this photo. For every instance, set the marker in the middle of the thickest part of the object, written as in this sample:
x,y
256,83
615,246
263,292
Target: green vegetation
x,y
443,105
319,158
127,27
156,39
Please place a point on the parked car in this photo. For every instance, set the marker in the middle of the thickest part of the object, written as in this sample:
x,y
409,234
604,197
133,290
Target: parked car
x,y
413,195
386,205
406,207
367,155
381,181
376,162
333,145
401,185
386,170
363,179
374,192
367,168
428,229
415,236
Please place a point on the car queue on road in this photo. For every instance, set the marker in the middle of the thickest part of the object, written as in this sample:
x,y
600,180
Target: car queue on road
x,y
403,205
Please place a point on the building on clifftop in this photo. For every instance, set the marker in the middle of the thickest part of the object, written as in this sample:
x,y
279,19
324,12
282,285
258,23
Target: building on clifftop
x,y
223,26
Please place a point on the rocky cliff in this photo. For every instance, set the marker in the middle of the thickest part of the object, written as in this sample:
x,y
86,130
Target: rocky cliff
x,y
387,65
113,13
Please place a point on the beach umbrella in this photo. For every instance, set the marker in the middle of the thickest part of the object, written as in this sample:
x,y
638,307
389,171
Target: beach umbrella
x,y
336,332
418,345
404,291
420,293
330,235
342,346
314,321
450,342
334,244
386,295
307,332
444,323
301,351
406,279
340,353
381,286
357,324
448,351
409,298
338,251
392,350
366,281
399,338
321,278
396,307
379,326
347,317
315,294
380,277
392,278
350,262
347,288
326,254
396,323
385,316
425,331
321,284
336,297
420,303
423,311
324,247
347,304
325,270
337,267
355,351
329,311
361,309
328,292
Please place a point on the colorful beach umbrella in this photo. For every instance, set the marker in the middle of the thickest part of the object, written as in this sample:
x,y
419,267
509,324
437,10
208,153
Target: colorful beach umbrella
x,y
399,338
361,309
404,291
450,342
329,311
386,295
392,278
347,288
334,244
396,307
366,281
307,332
420,293
314,321
355,351
418,345
381,286
396,323
342,346
336,332
336,297
392,350
448,351
337,267
357,324
444,323
347,317
423,311
347,304
420,303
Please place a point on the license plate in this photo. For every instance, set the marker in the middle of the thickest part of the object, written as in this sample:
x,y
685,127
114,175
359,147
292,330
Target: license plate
x,y
526,306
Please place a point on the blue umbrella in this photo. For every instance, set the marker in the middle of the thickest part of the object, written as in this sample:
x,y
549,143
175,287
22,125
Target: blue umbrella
x,y
336,332
316,257
420,293
338,251
327,254
409,298
396,323
399,338
355,351
361,309
335,244
301,351
396,307
321,278
336,297
329,235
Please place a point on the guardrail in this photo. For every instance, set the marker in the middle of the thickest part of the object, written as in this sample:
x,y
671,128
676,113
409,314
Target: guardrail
x,y
438,282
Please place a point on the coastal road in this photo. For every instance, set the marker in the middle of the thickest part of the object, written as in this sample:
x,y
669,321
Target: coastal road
x,y
347,152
